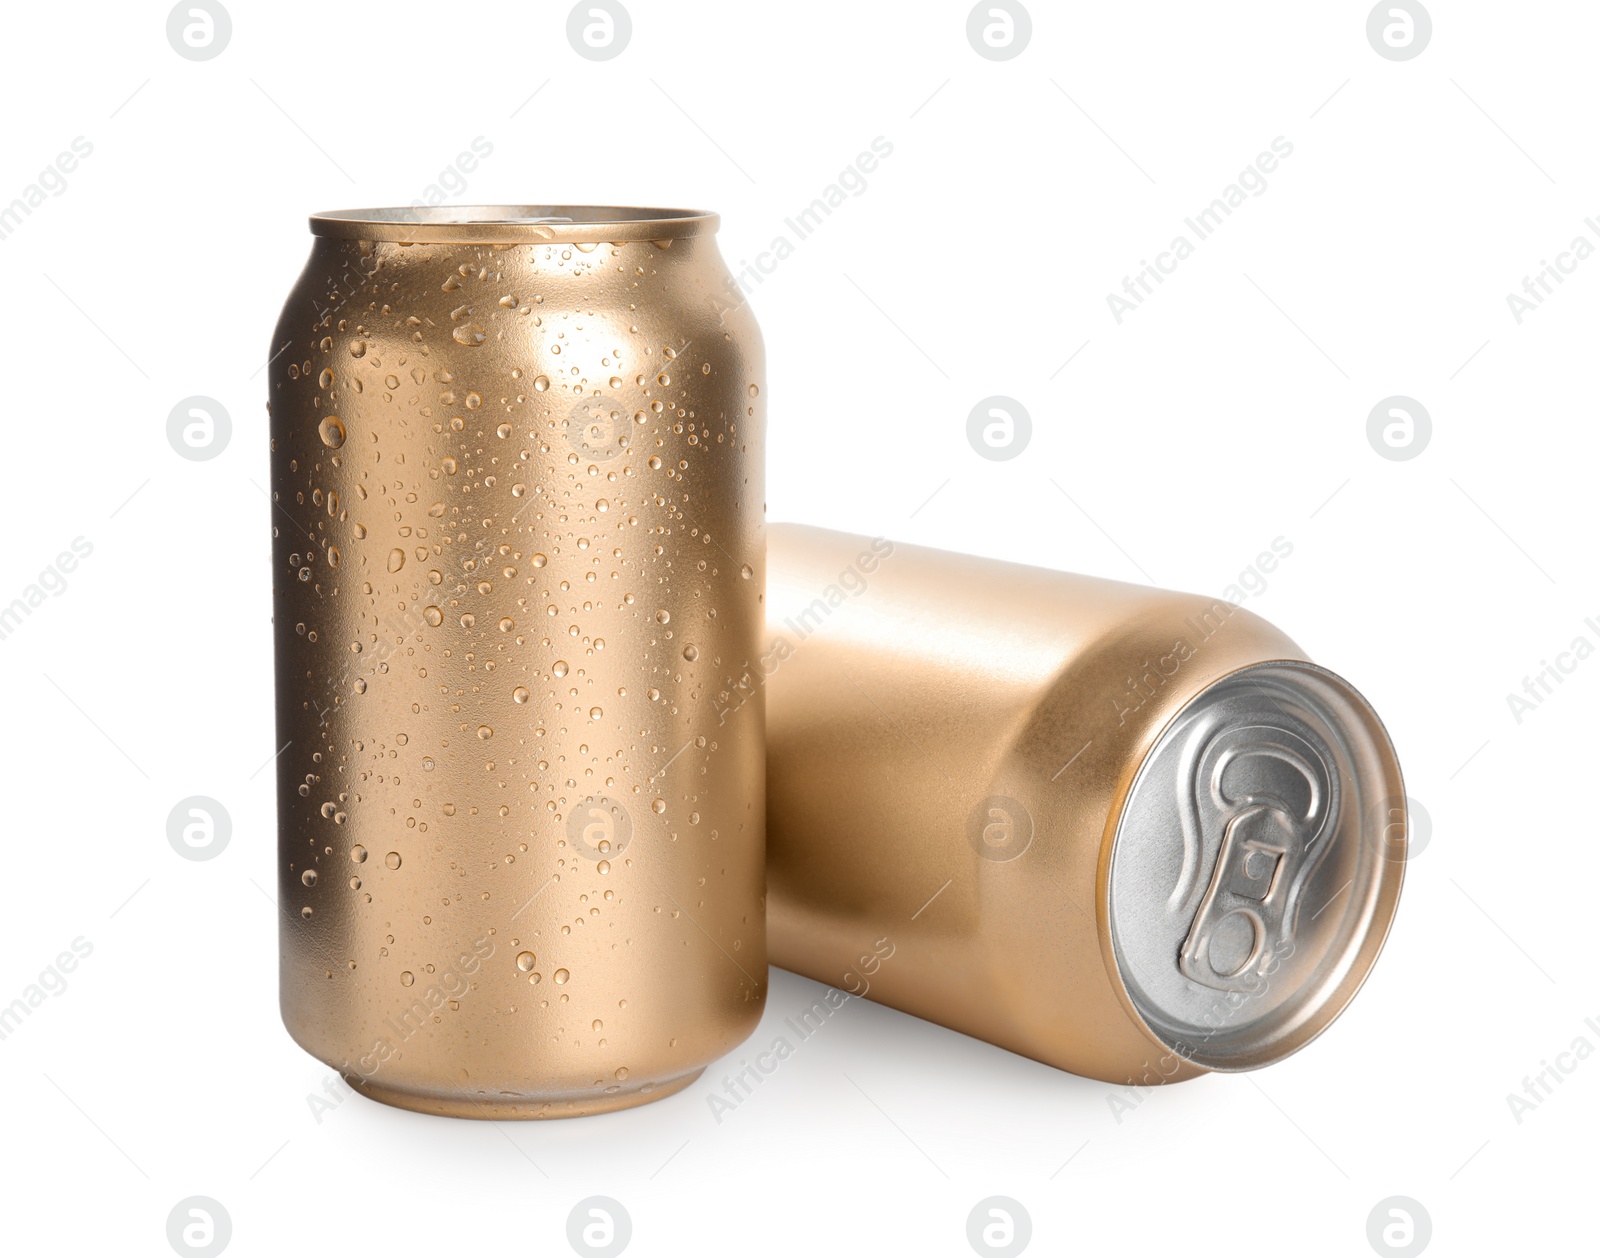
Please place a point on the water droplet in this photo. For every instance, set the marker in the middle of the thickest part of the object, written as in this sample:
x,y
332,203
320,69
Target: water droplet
x,y
309,877
331,430
746,571
604,867
538,561
358,349
397,559
520,694
507,624
306,912
663,616
407,978
485,732
468,334
621,1073
503,431
658,806
596,713
561,976
525,961
433,615
559,668
691,653
392,860
358,853
326,378
451,467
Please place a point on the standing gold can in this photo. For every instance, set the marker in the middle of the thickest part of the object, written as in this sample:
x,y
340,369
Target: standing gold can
x,y
1131,833
518,550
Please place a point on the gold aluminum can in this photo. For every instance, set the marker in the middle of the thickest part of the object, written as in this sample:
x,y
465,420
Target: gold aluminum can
x,y
517,548
1130,833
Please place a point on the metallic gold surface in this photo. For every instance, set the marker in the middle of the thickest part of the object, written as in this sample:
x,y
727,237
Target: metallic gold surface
x,y
518,548
951,745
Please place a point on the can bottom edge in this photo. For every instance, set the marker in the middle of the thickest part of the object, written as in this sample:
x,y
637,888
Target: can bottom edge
x,y
497,1108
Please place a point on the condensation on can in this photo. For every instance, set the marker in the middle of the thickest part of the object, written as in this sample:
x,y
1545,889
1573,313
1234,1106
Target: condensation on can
x,y
516,506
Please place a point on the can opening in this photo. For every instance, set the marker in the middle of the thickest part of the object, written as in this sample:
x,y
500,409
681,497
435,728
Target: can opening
x,y
1256,865
512,223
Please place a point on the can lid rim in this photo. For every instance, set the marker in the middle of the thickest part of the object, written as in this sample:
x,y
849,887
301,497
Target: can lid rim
x,y
1243,1027
512,224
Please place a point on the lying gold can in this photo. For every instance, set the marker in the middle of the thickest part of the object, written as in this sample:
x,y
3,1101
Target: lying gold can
x,y
1134,834
517,545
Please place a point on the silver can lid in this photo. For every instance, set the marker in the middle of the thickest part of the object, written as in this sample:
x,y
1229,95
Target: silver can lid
x,y
1256,865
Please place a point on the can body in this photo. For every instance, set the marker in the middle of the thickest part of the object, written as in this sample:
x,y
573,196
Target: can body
x,y
1097,824
517,545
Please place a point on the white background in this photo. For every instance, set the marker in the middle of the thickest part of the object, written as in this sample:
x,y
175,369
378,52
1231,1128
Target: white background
x,y
1229,410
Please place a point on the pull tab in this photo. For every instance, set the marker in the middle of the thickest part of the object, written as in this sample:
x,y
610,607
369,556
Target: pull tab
x,y
1271,797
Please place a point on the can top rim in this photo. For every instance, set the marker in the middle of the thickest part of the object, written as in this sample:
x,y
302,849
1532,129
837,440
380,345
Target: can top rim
x,y
513,224
1283,786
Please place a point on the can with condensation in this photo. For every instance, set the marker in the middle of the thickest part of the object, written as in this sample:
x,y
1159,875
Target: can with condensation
x,y
1134,834
517,544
